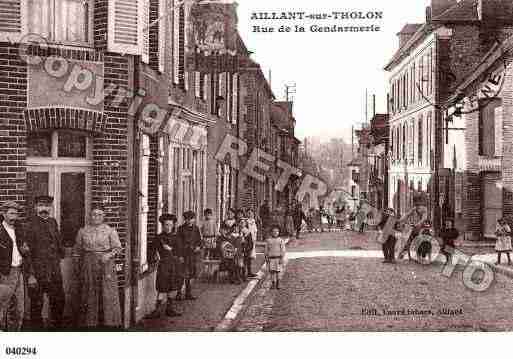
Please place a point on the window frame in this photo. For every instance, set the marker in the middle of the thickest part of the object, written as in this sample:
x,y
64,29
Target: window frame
x,y
89,42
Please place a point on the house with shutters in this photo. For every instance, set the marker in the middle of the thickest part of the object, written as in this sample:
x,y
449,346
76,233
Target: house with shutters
x,y
432,59
110,102
68,74
477,145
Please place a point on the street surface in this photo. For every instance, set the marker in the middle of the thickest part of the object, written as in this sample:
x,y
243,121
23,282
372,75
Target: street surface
x,y
336,281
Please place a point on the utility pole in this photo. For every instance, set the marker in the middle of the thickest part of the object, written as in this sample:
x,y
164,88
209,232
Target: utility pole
x,y
289,91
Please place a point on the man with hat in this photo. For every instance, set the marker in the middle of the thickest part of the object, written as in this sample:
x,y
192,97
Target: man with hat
x,y
189,247
46,251
416,216
14,264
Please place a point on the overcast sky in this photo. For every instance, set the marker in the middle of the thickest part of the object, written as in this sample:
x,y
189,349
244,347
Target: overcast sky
x,y
331,70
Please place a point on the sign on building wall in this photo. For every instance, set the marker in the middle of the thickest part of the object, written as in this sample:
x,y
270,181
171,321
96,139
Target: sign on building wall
x,y
66,83
214,37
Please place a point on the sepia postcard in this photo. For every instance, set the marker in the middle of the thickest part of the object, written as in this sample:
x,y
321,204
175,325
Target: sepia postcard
x,y
255,166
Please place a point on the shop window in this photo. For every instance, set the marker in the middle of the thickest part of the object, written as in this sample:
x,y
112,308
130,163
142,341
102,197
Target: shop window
x,y
71,145
39,144
63,21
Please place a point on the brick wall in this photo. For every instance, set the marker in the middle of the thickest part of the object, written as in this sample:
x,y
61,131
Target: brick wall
x,y
108,182
13,100
100,24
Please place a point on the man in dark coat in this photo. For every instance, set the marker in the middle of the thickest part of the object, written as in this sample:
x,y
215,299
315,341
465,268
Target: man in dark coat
x,y
298,216
265,218
14,267
188,249
46,251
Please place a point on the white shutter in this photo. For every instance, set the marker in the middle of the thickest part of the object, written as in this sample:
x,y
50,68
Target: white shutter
x,y
498,131
143,199
13,19
124,27
176,43
197,84
206,86
144,31
235,99
162,34
186,80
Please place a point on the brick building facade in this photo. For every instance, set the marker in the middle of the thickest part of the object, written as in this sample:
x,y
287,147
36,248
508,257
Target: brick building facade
x,y
478,146
115,103
430,62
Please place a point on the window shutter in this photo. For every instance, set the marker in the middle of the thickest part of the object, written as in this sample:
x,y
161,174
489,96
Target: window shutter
x,y
13,19
222,87
162,34
197,84
144,32
124,27
176,43
498,131
235,100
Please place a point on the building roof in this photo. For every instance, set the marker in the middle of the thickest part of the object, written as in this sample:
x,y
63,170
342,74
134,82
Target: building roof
x,y
409,29
496,53
463,11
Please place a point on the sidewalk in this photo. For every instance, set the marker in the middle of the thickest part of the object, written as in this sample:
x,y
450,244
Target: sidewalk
x,y
214,300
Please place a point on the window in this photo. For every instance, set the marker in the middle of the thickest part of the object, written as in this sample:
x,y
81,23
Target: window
x,y
58,164
420,141
490,128
62,21
405,135
179,45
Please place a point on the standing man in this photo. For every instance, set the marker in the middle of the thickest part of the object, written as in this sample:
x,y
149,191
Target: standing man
x,y
14,264
298,216
46,251
416,216
265,218
189,246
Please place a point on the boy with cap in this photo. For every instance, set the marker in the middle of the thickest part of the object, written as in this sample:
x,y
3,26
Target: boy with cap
x,y
46,252
189,246
14,265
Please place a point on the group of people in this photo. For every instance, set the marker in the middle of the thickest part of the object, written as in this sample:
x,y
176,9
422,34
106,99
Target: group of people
x,y
289,221
30,267
181,250
392,228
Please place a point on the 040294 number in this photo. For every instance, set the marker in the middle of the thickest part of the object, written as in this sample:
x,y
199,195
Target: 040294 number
x,y
15,351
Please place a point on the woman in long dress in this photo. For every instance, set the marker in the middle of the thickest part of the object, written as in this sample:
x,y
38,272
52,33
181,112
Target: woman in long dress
x,y
503,244
96,248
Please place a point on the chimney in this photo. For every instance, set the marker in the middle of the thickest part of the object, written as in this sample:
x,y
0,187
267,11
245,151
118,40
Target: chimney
x,y
439,6
429,14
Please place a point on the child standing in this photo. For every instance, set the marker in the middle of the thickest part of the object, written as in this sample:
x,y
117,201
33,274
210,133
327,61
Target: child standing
x,y
274,255
248,245
209,233
503,244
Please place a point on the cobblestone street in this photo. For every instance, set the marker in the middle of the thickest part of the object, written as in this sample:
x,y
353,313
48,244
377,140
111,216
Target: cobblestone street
x,y
345,293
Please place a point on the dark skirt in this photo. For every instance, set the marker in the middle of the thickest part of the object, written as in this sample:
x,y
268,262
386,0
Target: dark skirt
x,y
169,276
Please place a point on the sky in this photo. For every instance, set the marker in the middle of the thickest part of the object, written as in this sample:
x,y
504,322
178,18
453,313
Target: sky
x,y
331,70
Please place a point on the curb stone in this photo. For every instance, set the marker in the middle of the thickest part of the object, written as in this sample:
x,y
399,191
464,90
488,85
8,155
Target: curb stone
x,y
239,302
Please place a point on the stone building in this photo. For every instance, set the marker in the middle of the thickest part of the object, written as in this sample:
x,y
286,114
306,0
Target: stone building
x,y
432,58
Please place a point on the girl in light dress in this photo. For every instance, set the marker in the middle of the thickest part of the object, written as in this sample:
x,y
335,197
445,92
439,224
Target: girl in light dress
x,y
274,255
503,243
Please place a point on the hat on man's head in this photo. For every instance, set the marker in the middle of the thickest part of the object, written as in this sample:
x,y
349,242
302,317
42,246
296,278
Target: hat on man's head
x,y
189,215
8,205
167,217
43,199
